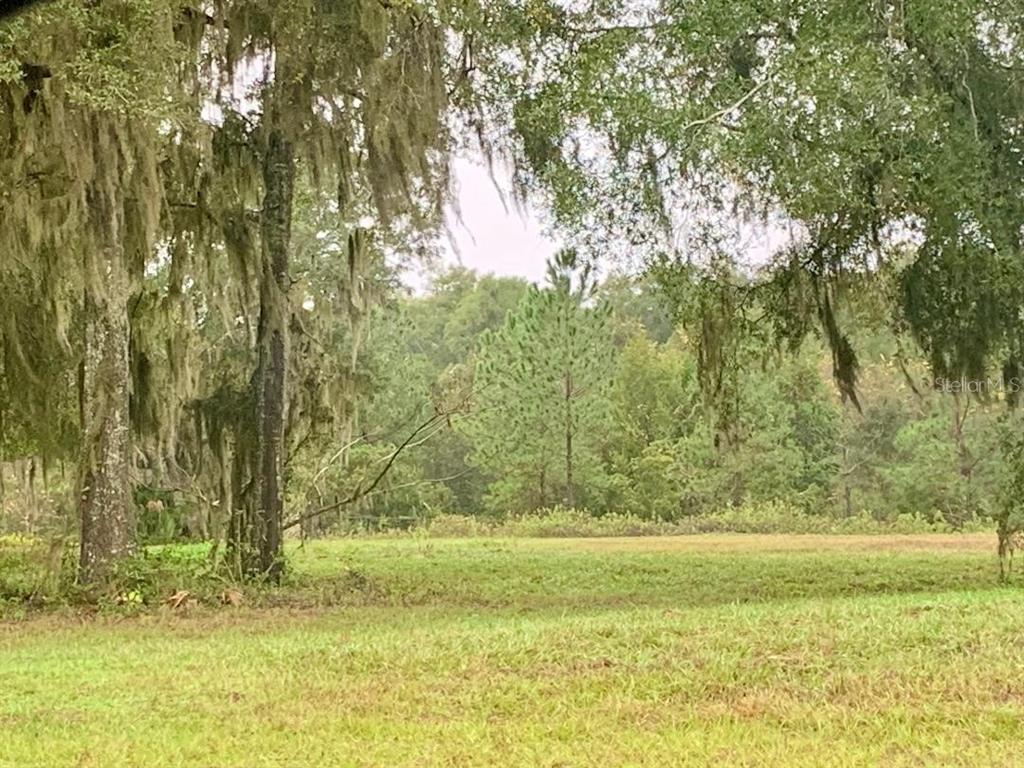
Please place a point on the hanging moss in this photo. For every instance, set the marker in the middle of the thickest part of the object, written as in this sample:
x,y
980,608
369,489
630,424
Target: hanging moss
x,y
108,148
81,122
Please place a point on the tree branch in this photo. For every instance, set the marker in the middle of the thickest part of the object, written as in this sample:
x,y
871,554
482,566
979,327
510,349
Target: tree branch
x,y
360,492
727,109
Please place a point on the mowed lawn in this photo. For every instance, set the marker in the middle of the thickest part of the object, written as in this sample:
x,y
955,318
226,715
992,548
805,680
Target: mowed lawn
x,y
712,650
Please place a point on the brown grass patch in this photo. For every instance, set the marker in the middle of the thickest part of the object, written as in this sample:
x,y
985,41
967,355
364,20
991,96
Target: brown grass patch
x,y
811,542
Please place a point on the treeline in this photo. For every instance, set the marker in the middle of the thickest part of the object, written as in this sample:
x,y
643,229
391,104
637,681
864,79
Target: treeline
x,y
491,397
588,395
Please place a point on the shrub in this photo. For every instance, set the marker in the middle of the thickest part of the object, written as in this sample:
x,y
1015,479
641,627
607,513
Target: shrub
x,y
446,526
33,569
765,518
561,522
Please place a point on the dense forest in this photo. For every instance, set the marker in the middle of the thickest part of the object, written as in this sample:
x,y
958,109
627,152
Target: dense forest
x,y
491,396
586,394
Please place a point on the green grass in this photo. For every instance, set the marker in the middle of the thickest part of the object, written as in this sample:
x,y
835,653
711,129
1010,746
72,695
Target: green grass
x,y
723,650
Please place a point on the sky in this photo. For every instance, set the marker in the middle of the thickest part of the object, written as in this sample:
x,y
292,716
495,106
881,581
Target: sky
x,y
492,236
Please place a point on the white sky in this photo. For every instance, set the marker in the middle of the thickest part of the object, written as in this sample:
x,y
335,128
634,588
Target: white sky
x,y
492,236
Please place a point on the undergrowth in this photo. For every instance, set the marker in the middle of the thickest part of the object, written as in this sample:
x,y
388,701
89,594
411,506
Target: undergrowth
x,y
772,518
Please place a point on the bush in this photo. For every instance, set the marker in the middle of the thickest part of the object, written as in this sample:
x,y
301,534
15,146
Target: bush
x,y
33,569
562,522
447,526
765,518
39,573
157,572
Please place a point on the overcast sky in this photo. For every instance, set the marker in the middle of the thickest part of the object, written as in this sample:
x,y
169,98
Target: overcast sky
x,y
493,236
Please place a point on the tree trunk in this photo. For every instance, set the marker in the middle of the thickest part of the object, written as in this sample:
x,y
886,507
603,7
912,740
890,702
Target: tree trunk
x,y
965,465
542,487
105,505
570,492
259,544
847,490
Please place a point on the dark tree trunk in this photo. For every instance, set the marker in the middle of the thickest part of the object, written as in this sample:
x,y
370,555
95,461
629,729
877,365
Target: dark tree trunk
x,y
965,465
258,539
105,506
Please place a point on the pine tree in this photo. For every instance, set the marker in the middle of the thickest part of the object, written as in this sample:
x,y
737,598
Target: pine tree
x,y
541,391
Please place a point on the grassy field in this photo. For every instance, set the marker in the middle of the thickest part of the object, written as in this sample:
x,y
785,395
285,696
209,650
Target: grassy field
x,y
712,650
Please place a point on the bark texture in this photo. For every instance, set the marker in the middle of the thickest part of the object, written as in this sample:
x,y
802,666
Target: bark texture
x,y
108,526
258,535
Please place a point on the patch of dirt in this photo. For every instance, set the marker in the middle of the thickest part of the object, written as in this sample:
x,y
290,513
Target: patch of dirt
x,y
743,542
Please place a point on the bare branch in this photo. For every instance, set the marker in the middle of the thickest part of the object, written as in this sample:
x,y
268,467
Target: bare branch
x,y
360,491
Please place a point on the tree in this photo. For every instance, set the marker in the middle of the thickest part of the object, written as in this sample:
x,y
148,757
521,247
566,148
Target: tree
x,y
182,137
887,134
367,124
431,346
86,94
541,389
655,405
639,301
